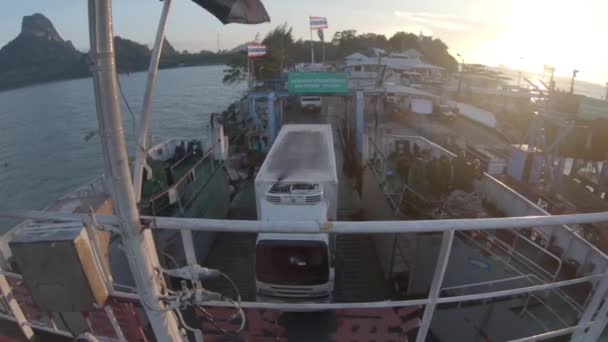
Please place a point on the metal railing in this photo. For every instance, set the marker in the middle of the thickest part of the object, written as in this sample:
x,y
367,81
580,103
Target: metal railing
x,y
370,227
507,262
488,285
158,197
513,253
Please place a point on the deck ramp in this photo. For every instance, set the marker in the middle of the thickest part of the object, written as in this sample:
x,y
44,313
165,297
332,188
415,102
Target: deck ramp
x,y
359,277
232,253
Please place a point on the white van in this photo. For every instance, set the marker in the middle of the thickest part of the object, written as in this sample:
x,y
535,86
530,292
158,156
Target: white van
x,y
312,103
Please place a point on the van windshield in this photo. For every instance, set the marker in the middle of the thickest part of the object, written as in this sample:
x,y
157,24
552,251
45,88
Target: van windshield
x,y
292,262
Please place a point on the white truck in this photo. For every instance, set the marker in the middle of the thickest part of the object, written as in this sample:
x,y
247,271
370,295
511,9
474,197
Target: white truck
x,y
297,181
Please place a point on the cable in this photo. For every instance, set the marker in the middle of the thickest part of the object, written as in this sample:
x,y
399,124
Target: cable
x,y
236,289
170,258
211,319
183,322
124,99
65,324
237,305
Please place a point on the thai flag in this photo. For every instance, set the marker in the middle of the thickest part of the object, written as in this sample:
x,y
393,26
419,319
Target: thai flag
x,y
256,50
318,23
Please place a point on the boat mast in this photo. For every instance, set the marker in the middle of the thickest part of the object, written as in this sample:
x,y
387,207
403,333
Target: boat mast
x,y
137,241
141,150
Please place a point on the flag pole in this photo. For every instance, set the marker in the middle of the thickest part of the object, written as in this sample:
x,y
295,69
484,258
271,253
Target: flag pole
x,y
248,72
312,49
252,72
323,46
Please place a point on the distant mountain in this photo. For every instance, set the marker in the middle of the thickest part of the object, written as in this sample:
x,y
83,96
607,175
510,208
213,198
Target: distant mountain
x,y
39,54
130,55
168,50
133,56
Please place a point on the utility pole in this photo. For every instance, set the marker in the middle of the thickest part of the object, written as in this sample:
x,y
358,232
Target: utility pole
x,y
137,241
552,82
574,72
519,72
460,74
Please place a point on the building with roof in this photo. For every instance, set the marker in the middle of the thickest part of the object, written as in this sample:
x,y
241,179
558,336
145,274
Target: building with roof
x,y
400,68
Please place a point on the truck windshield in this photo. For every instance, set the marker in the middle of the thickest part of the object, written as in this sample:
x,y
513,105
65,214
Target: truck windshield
x,y
292,262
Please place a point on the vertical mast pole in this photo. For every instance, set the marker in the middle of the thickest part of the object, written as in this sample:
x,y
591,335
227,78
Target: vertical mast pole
x,y
252,72
323,58
248,72
144,124
137,242
312,48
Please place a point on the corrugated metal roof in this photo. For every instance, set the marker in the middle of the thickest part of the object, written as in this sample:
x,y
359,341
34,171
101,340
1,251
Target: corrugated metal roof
x,y
395,63
399,89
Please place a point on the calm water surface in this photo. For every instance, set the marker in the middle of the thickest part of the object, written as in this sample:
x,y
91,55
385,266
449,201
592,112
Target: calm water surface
x,y
44,152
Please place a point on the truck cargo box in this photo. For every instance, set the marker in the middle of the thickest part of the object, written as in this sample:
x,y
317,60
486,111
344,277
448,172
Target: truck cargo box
x,y
299,176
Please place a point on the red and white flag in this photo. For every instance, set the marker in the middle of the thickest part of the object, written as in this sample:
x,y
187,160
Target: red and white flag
x,y
318,23
256,50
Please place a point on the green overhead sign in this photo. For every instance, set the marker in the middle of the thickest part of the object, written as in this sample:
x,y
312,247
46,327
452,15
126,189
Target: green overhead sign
x,y
317,82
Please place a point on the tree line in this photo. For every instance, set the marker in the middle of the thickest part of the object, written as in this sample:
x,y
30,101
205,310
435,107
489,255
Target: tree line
x,y
283,51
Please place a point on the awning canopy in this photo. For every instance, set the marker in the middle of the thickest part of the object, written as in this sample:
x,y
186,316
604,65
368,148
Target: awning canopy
x,y
236,11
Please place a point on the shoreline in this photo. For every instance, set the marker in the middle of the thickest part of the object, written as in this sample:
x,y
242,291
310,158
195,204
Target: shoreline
x,y
43,82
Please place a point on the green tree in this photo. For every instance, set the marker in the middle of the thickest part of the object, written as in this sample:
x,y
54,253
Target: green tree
x,y
436,52
279,56
348,42
279,47
283,52
402,41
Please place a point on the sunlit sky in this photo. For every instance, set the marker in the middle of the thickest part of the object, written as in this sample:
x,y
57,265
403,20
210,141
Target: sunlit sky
x,y
522,34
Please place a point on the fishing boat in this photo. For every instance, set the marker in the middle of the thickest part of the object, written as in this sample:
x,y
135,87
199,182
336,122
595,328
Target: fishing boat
x,y
345,224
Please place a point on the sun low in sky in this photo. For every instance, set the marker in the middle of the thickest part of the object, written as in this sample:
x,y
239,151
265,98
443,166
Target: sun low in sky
x,y
521,34
526,34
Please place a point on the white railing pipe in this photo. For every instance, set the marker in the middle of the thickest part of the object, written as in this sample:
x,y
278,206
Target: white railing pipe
x,y
403,303
141,150
314,227
550,334
442,264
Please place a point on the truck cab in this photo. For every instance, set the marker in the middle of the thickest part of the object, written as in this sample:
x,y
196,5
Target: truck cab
x,y
297,181
294,267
